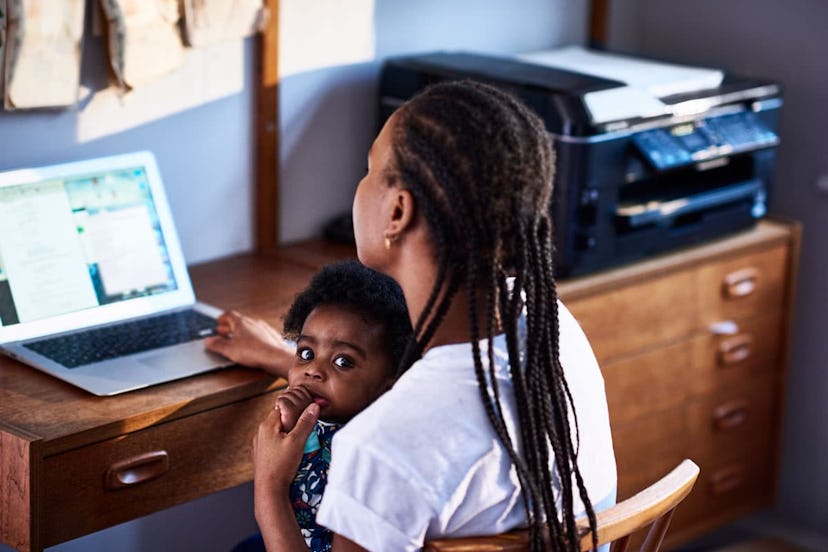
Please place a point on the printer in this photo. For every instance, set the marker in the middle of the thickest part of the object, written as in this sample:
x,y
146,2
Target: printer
x,y
667,157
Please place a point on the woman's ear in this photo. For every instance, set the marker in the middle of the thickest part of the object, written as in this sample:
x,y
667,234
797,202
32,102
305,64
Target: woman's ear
x,y
402,213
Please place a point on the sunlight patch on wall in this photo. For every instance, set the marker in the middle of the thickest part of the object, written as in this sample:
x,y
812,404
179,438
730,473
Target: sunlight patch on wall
x,y
209,73
314,34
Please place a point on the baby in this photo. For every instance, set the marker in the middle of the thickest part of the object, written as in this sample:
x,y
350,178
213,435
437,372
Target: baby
x,y
350,327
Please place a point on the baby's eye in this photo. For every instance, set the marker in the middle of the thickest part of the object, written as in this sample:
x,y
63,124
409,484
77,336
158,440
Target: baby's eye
x,y
343,362
304,353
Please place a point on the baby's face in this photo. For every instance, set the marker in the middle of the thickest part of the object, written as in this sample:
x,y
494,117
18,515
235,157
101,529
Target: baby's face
x,y
340,361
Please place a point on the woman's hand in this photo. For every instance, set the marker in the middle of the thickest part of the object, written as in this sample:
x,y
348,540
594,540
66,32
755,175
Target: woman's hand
x,y
251,342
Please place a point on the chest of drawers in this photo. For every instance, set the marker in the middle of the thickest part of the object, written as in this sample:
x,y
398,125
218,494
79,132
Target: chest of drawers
x,y
693,349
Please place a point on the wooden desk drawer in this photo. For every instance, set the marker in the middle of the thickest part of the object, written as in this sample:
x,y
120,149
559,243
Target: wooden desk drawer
x,y
84,491
665,309
724,490
669,376
711,429
634,318
743,287
729,486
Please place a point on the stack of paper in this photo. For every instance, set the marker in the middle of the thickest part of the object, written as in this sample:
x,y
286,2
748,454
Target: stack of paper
x,y
646,81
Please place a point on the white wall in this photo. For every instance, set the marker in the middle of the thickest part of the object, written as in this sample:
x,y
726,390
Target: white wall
x,y
205,152
786,41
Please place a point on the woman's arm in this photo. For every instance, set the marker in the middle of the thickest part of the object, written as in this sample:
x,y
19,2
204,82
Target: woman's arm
x,y
251,342
276,457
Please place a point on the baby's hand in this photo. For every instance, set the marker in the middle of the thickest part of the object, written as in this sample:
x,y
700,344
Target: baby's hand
x,y
292,402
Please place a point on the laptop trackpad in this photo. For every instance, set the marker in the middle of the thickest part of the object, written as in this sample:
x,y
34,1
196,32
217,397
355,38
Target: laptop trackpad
x,y
187,358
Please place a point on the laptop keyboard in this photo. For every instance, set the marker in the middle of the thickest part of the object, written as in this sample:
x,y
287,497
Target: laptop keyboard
x,y
86,347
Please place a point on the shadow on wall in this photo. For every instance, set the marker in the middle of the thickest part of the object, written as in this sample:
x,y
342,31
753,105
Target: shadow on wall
x,y
326,133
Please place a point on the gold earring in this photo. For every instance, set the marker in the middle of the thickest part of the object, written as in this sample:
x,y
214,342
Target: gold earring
x,y
387,243
389,239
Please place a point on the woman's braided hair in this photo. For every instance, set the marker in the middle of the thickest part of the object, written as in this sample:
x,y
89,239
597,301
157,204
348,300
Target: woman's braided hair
x,y
480,166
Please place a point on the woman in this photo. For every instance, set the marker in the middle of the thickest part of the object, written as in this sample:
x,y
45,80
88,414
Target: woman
x,y
499,417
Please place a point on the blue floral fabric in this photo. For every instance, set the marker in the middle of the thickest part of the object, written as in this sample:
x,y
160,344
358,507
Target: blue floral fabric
x,y
309,485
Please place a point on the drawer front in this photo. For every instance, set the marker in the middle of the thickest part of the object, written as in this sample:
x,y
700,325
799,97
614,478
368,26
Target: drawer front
x,y
729,486
724,491
633,318
649,383
727,361
649,448
734,419
661,310
669,376
710,430
743,287
113,481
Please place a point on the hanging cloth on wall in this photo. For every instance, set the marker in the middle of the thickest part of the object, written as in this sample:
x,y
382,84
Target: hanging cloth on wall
x,y
211,21
42,53
144,42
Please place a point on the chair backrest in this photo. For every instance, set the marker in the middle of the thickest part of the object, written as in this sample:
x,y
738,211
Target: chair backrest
x,y
652,507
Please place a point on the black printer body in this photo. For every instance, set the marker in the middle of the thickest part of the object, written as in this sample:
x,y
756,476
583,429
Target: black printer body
x,y
628,189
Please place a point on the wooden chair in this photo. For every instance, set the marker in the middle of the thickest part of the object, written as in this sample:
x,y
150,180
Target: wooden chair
x,y
653,507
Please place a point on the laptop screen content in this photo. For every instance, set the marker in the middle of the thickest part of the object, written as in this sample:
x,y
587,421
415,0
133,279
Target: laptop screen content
x,y
75,243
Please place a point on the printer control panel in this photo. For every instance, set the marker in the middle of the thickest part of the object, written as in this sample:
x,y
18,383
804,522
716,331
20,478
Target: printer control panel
x,y
697,141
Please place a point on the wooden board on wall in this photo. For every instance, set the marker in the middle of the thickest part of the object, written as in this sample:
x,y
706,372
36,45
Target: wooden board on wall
x,y
266,119
598,23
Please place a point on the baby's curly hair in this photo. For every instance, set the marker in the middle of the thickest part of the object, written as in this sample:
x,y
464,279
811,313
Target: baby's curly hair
x,y
351,285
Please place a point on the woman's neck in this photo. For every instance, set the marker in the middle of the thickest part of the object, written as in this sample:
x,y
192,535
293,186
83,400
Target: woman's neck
x,y
454,326
415,269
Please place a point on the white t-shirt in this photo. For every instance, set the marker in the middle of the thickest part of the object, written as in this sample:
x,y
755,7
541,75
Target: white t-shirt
x,y
423,461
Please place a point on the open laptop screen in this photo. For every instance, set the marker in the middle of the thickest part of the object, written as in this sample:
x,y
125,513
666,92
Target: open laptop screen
x,y
87,243
79,242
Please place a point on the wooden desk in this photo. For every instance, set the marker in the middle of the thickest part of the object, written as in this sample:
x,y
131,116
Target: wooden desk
x,y
674,389
57,442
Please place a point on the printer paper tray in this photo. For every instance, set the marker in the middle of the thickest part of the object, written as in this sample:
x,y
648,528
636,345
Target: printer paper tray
x,y
655,212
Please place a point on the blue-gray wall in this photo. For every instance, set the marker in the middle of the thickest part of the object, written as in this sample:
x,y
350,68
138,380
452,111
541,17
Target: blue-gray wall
x,y
205,154
204,147
786,41
329,116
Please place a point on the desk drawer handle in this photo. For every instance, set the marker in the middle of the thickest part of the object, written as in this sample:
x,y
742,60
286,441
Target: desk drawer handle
x,y
730,415
136,470
727,479
740,283
735,349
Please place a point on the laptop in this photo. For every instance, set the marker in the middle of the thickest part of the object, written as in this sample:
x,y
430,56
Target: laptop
x,y
94,288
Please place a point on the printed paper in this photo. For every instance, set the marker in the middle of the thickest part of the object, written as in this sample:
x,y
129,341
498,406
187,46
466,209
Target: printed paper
x,y
144,41
42,52
211,21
